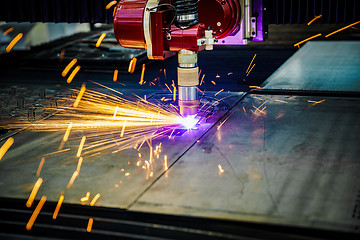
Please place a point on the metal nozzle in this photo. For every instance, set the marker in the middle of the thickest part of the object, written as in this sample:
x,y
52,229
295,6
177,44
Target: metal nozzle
x,y
188,81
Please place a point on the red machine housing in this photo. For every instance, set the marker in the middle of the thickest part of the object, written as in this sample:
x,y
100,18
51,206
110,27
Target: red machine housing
x,y
222,16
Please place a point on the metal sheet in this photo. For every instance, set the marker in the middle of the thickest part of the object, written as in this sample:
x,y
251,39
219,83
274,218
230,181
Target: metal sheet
x,y
296,163
103,173
320,66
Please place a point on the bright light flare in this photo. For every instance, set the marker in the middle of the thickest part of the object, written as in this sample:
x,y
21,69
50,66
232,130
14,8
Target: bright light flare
x,y
188,122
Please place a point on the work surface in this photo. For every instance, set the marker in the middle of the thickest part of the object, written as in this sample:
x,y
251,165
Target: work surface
x,y
281,159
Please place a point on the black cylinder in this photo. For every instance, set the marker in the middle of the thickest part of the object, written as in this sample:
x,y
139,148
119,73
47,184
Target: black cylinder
x,y
187,13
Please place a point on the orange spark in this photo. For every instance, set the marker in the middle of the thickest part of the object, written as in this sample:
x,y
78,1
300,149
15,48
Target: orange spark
x,y
165,73
127,174
72,75
35,213
101,38
115,77
81,146
213,82
174,96
219,92
79,164
165,163
81,93
276,100
250,63
115,112
72,179
245,111
8,31
142,75
91,221
92,203
257,87
316,102
314,19
341,29
132,65
202,79
217,76
68,67
86,198
5,147
250,70
67,132
40,166
230,73
168,88
315,36
13,42
199,73
221,170
34,192
123,129
62,54
58,206
110,4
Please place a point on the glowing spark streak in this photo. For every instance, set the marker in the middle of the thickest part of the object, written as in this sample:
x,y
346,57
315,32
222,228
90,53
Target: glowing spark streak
x,y
5,147
132,65
165,163
217,76
141,144
34,192
62,54
165,73
90,224
107,87
202,79
174,96
73,73
58,206
199,73
13,42
151,154
341,29
115,77
68,67
92,203
213,82
127,174
245,111
314,19
257,87
65,150
116,109
86,198
8,31
280,101
316,102
250,70
123,129
72,179
114,16
168,88
101,38
219,92
81,146
40,166
142,75
315,36
110,4
79,164
224,121
171,133
35,213
247,70
221,170
81,93
199,90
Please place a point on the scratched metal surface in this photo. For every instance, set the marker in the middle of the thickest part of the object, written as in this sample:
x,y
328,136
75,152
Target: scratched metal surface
x,y
297,165
320,66
103,173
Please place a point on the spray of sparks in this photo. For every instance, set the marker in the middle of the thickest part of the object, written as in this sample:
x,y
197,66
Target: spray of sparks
x,y
109,121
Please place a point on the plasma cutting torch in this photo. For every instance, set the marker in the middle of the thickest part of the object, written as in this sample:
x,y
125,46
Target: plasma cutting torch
x,y
164,27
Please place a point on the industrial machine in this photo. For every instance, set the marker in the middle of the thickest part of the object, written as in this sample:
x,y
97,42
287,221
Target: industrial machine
x,y
164,27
